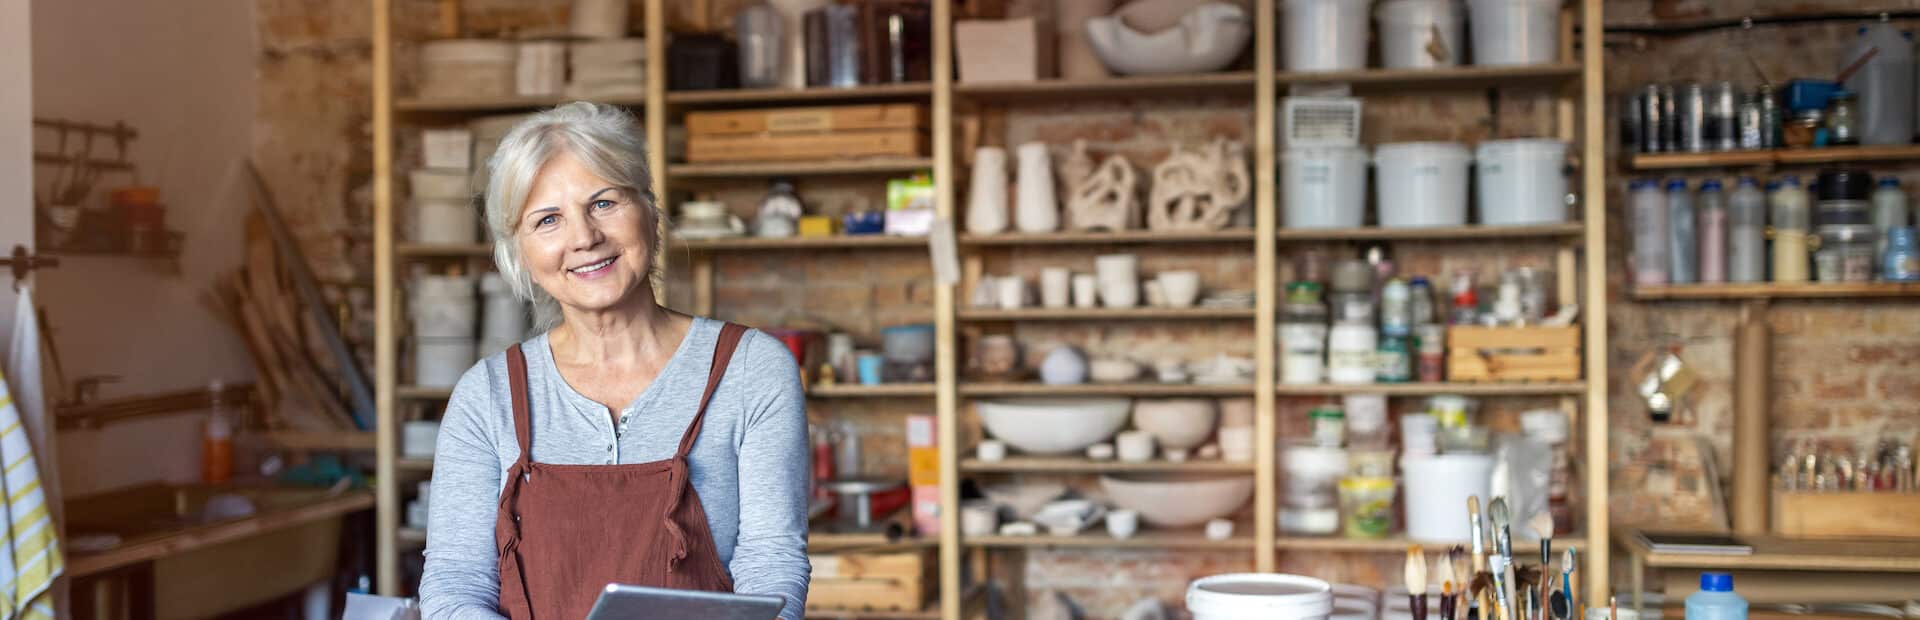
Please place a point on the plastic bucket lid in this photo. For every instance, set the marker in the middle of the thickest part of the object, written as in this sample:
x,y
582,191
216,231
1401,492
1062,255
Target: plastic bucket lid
x,y
1409,150
1259,596
1541,147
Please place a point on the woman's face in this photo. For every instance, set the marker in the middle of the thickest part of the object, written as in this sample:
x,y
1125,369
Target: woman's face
x,y
583,239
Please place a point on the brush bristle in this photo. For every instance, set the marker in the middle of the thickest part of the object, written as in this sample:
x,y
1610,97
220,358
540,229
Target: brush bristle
x,y
1416,571
1542,524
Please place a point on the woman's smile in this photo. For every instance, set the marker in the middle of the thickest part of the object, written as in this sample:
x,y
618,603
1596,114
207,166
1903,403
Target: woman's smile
x,y
595,269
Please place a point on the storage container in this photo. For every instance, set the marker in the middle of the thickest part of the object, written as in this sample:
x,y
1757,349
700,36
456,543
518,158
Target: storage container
x,y
445,221
1437,486
1515,32
1250,596
1520,182
439,362
466,68
1326,35
1325,187
443,307
1421,184
1846,253
1418,34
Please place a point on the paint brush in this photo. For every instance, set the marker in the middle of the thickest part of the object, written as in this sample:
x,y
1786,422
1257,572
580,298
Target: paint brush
x,y
1446,587
1503,545
1566,579
1417,581
1542,524
1479,554
1457,556
1613,607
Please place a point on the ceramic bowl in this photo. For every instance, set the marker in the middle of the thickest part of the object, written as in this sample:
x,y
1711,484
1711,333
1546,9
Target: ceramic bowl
x,y
1113,370
1177,423
1178,500
1054,425
1207,38
908,343
1023,499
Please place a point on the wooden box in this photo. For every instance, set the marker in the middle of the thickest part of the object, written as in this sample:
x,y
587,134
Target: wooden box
x,y
1005,50
1846,514
1513,353
793,147
897,581
816,119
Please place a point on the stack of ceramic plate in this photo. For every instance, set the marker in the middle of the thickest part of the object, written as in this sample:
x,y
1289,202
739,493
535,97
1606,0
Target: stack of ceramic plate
x,y
609,68
466,68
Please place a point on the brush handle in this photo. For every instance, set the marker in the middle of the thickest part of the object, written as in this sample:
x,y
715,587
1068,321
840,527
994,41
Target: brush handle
x,y
1418,604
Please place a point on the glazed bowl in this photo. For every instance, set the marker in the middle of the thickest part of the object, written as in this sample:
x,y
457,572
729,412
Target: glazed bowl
x,y
1176,423
1051,426
1178,500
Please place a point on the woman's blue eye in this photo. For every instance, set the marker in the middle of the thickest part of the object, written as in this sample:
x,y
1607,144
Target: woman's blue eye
x,y
545,220
603,204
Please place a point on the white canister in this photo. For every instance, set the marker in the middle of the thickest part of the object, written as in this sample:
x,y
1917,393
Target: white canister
x,y
987,192
1324,187
440,220
1366,414
1326,35
1420,34
1262,596
1520,182
1419,433
417,438
439,362
1303,353
1119,279
1350,351
504,317
1421,184
443,307
1036,210
1515,32
1436,487
1055,284
1012,293
1086,290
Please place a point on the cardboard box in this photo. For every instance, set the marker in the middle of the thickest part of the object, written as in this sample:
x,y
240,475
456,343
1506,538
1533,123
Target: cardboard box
x,y
1004,50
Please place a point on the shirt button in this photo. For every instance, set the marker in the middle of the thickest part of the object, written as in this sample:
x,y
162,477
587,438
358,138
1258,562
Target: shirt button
x,y
609,447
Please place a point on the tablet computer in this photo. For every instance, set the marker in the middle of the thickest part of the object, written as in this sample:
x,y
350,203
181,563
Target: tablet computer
x,y
624,602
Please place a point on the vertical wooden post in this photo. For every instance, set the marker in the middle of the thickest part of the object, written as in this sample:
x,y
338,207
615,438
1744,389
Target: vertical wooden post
x,y
1266,297
1751,460
655,116
1593,192
946,394
385,348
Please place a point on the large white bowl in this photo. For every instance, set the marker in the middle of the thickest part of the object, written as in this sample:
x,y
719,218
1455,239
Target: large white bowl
x,y
1177,500
1176,423
1054,425
1207,38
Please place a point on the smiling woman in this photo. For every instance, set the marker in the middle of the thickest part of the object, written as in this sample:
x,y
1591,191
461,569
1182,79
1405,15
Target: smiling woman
x,y
614,447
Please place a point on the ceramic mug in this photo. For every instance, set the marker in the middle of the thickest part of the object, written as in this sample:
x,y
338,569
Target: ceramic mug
x,y
1155,297
979,518
1054,285
870,364
1119,279
1182,288
1012,292
1086,290
1134,446
1123,524
991,450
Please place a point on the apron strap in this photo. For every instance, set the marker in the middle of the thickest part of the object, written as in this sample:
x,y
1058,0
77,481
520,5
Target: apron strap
x,y
677,477
522,413
518,473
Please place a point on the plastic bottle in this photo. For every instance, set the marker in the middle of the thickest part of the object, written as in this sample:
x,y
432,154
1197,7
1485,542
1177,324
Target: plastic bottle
x,y
1649,232
1716,600
1901,262
1396,308
216,445
1420,306
1303,335
1683,241
1746,233
1713,233
1884,84
1790,217
1889,211
1466,300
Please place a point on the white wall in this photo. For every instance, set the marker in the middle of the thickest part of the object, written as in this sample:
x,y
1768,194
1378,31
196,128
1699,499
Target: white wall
x,y
182,73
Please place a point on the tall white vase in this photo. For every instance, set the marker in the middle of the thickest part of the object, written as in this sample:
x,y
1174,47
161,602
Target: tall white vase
x,y
987,196
792,15
1036,211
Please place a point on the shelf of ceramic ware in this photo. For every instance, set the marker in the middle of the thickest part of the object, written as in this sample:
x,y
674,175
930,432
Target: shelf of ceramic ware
x,y
1777,290
505,103
1401,81
884,390
1147,537
1080,465
871,165
1178,85
1438,233
407,464
422,392
1779,157
1105,389
1398,544
747,97
748,243
866,541
1102,314
1543,388
1126,237
443,250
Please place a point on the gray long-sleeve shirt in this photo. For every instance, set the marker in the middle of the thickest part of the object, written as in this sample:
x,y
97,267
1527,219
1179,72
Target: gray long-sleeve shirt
x,y
749,464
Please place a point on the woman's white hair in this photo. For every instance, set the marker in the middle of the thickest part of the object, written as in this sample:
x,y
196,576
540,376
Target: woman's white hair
x,y
607,140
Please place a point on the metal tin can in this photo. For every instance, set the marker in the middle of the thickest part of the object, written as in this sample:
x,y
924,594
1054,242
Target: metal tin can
x,y
1770,120
1752,131
1432,344
1655,122
1722,124
1631,110
1692,122
1670,126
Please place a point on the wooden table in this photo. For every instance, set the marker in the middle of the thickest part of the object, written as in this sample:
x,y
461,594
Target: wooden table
x,y
1775,553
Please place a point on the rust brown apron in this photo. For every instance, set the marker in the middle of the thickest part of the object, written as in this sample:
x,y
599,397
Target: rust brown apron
x,y
566,531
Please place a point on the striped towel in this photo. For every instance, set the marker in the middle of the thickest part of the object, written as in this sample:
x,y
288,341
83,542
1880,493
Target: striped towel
x,y
28,571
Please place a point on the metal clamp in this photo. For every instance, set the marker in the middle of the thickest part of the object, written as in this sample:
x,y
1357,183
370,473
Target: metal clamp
x,y
23,263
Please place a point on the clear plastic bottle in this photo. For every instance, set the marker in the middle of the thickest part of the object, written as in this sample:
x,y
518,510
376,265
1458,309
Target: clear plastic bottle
x,y
1746,233
216,446
1716,600
1420,306
1889,210
1683,241
1466,300
1884,85
1649,232
1713,233
1789,212
1396,311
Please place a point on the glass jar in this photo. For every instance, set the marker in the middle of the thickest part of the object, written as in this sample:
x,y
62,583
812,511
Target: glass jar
x,y
1367,506
1843,126
1303,335
1845,254
1900,263
1329,425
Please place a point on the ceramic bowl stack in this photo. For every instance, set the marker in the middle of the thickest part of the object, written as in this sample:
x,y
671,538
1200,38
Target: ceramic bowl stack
x,y
445,314
441,191
466,68
608,68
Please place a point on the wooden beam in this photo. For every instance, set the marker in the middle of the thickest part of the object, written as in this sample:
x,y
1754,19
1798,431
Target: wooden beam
x,y
1266,293
386,327
1593,192
946,375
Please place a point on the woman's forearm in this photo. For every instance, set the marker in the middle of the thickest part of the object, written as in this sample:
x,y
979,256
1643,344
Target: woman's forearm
x,y
461,579
770,556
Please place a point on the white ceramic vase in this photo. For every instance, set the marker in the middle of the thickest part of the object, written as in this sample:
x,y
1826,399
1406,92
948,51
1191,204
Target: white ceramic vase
x,y
1036,211
987,196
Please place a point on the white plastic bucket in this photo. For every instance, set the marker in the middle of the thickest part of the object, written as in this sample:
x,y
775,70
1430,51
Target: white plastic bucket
x,y
1515,32
1325,187
1520,182
1326,35
1259,596
1437,488
439,220
1417,34
1421,184
439,362
504,319
1351,609
443,307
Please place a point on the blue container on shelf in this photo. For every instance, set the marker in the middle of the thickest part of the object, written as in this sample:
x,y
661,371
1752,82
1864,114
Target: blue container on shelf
x,y
1803,94
864,223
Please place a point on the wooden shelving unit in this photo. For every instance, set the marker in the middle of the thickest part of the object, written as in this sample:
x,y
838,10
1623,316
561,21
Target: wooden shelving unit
x,y
472,105
749,244
418,392
797,96
1097,538
1105,314
1398,544
1127,237
1205,84
1777,290
1570,230
443,250
884,390
1780,157
1567,388
1390,81
1107,389
1076,465
874,165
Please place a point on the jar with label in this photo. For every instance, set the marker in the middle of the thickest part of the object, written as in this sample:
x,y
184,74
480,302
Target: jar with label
x,y
1901,263
1393,359
1350,350
1466,300
1846,254
1303,335
1450,412
1367,503
1396,311
1329,426
1843,126
1420,302
1431,362
1790,210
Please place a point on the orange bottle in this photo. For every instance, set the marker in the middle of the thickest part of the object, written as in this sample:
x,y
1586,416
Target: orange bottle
x,y
216,445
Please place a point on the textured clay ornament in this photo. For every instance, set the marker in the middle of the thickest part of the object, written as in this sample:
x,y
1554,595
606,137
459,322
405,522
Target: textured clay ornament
x,y
1199,189
1108,199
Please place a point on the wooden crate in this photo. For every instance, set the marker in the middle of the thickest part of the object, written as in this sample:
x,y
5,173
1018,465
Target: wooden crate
x,y
800,147
1846,514
896,581
816,119
1513,353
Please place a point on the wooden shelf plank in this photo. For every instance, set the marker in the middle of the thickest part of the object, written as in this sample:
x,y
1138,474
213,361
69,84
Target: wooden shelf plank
x,y
932,612
413,464
147,548
1443,233
874,165
1771,553
1097,538
499,104
818,541
1778,290
741,244
343,441
443,250
1232,235
1076,465
422,392
1545,388
1105,389
1202,84
884,390
752,96
1102,314
1780,157
1398,544
1398,81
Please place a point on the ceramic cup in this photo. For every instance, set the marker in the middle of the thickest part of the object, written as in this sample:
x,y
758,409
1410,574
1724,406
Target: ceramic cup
x,y
991,450
1156,297
1171,371
1123,523
1177,456
1134,446
1012,292
1182,288
870,364
1236,443
1055,283
1219,529
979,518
1086,290
1119,279
1100,452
